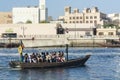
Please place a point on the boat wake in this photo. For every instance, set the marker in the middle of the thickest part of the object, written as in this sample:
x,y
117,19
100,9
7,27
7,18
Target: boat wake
x,y
10,54
4,67
8,68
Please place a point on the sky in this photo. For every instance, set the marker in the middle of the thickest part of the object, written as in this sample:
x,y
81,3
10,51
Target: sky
x,y
56,7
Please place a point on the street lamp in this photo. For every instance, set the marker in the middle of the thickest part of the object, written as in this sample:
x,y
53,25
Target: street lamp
x,y
23,30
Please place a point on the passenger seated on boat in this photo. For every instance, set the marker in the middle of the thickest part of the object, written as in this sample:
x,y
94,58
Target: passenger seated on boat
x,y
63,59
33,55
39,58
53,57
30,58
26,58
48,57
33,58
43,56
60,57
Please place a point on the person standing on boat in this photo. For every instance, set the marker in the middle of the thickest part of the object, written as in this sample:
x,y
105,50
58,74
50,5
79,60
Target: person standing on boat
x,y
20,50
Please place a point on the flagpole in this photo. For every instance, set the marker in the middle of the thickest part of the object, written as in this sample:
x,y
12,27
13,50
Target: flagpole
x,y
67,52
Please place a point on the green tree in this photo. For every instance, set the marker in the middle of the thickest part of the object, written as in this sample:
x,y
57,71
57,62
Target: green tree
x,y
29,21
43,21
112,26
109,25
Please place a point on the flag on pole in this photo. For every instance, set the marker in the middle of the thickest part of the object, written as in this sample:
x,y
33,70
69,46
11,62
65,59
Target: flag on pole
x,y
22,45
20,49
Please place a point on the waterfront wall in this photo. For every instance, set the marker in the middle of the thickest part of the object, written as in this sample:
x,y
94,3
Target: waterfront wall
x,y
84,42
60,41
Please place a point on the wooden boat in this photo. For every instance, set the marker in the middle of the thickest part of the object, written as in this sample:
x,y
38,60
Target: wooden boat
x,y
69,63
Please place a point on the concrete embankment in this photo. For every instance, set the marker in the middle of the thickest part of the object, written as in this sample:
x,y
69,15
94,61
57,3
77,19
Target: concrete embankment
x,y
59,42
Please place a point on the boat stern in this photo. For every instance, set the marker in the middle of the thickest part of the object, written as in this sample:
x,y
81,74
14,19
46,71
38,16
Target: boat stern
x,y
14,64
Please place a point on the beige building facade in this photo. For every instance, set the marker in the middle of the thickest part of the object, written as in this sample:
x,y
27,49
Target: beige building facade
x,y
5,17
88,16
28,30
106,31
33,30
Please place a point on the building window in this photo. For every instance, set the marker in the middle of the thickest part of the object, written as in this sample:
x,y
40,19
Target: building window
x,y
86,17
9,21
91,21
80,21
73,21
87,22
69,17
95,22
80,17
70,22
73,17
91,17
87,33
95,17
110,33
77,17
77,22
67,9
101,33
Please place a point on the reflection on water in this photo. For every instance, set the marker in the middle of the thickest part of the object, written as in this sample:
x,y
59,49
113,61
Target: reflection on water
x,y
45,74
104,64
54,74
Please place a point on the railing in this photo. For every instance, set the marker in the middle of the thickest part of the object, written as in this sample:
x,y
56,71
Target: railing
x,y
61,37
47,40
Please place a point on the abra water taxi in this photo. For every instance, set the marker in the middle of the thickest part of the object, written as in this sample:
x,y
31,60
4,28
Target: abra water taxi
x,y
67,63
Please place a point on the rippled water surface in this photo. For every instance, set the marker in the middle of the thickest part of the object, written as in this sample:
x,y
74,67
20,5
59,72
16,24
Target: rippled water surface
x,y
104,64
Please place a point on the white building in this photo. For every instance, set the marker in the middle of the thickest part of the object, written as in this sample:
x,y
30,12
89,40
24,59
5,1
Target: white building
x,y
22,15
33,14
43,10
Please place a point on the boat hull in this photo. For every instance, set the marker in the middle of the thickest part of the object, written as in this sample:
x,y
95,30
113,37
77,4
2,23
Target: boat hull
x,y
69,63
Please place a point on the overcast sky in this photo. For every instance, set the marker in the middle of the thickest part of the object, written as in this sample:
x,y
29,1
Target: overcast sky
x,y
56,7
